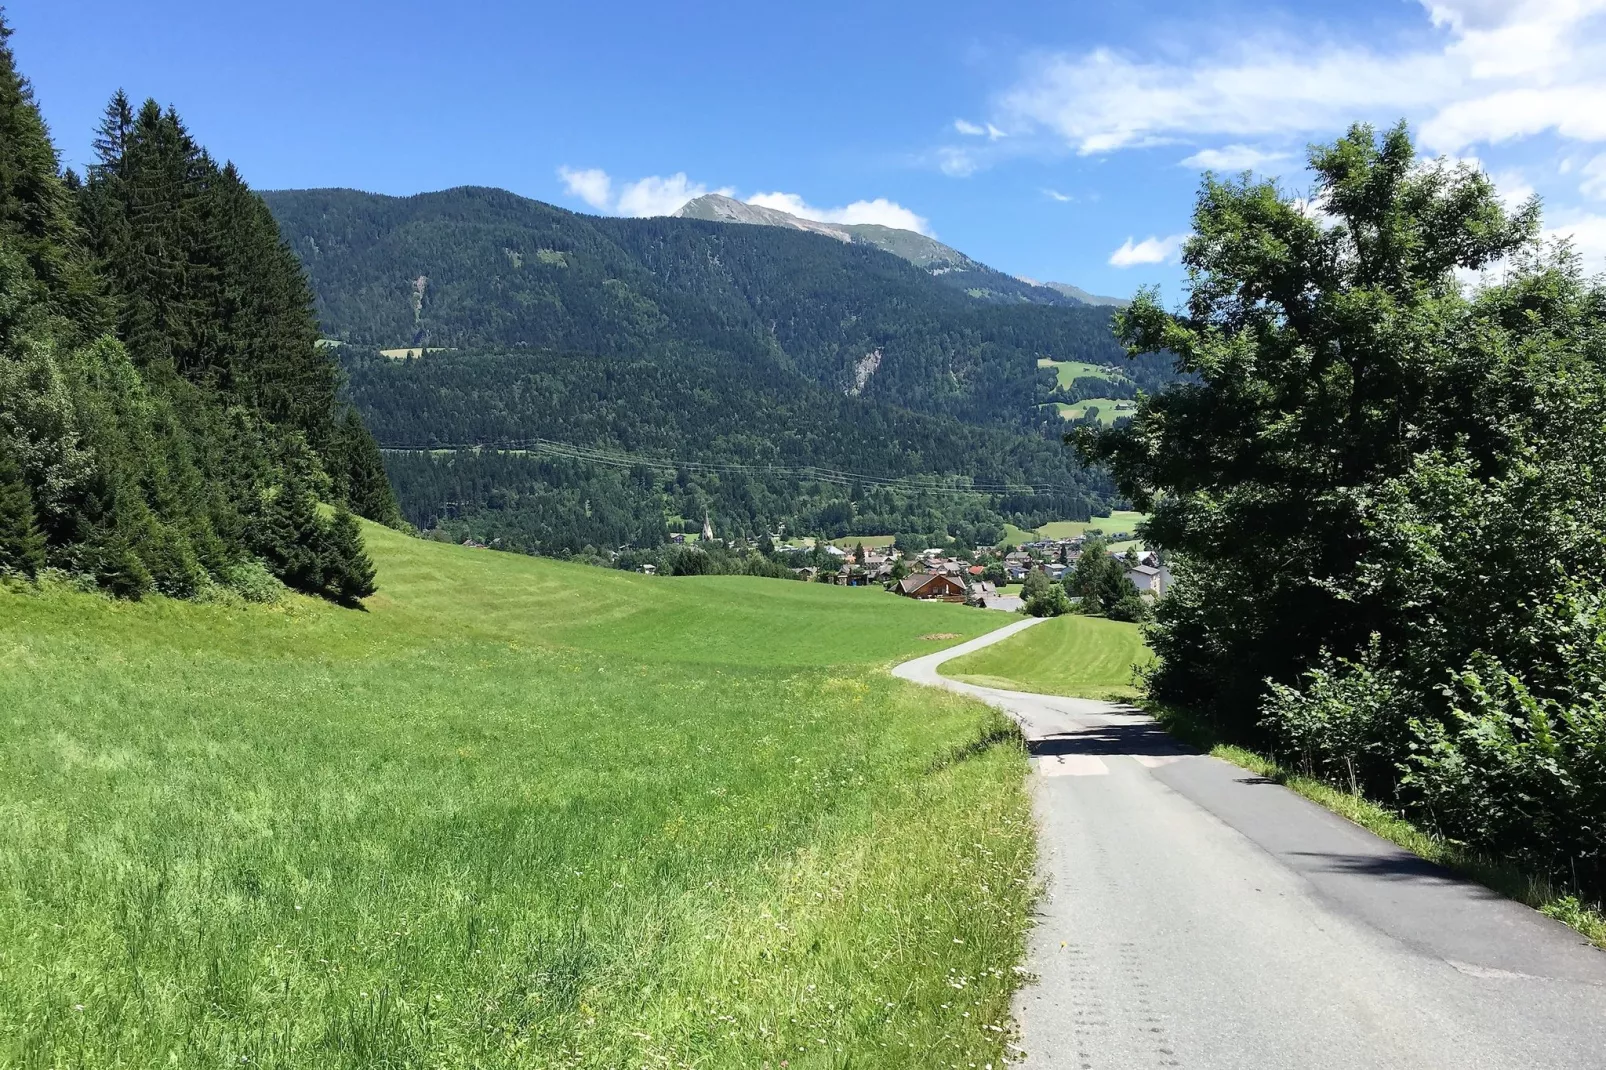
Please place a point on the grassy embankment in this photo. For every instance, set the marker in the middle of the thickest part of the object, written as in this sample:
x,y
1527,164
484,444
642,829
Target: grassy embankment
x,y
1085,657
517,813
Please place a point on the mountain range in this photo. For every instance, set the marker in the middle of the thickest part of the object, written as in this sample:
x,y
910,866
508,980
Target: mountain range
x,y
950,265
694,343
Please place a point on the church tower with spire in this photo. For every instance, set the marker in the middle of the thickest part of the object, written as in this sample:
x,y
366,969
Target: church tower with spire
x,y
708,528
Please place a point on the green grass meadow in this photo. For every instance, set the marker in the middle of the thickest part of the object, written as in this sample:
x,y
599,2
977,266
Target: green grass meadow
x,y
516,813
1109,409
1068,371
1116,523
1084,657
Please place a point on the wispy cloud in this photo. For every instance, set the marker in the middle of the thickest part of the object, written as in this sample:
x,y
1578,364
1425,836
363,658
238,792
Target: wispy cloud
x,y
957,162
651,196
1498,71
1586,232
986,130
1594,178
1232,158
879,211
657,195
1150,250
1056,195
591,185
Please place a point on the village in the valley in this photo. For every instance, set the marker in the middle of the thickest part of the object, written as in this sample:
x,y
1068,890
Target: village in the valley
x,y
981,578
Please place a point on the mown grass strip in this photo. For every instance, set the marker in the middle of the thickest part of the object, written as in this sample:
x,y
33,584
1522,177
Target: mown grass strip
x,y
1496,873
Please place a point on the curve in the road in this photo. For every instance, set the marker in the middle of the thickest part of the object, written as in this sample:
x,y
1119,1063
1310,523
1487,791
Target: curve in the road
x,y
1196,915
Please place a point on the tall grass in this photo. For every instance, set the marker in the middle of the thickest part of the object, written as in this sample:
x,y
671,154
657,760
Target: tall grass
x,y
518,814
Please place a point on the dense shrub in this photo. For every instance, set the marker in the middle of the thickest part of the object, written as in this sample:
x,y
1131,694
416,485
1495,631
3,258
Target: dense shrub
x,y
1384,498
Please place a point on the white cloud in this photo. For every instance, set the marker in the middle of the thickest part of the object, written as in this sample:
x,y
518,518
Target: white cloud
x,y
1150,250
1594,174
657,195
1056,195
1587,233
970,129
1513,188
957,162
660,196
879,211
592,186
1232,158
650,196
1500,69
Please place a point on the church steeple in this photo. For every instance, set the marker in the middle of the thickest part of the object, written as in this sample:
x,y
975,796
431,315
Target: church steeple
x,y
708,528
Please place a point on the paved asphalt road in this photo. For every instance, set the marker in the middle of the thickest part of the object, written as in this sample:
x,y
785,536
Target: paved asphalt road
x,y
1198,916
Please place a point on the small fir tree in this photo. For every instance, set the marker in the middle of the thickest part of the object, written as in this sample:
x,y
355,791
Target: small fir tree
x,y
348,570
22,547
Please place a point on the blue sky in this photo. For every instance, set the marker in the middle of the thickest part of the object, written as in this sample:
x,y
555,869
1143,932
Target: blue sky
x,y
1055,141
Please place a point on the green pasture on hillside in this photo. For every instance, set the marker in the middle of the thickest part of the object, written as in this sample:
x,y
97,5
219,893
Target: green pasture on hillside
x,y
1109,409
870,541
1084,657
515,813
1068,371
1014,536
1118,522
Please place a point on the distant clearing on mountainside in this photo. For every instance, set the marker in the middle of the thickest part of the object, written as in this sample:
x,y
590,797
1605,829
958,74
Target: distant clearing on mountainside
x,y
872,541
1068,371
1119,522
1105,410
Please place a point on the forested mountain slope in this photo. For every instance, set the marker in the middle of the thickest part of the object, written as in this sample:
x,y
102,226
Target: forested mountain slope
x,y
483,268
167,419
695,342
701,413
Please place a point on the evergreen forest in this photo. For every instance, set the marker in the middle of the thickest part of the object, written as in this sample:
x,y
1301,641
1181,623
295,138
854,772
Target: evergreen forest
x,y
679,343
168,420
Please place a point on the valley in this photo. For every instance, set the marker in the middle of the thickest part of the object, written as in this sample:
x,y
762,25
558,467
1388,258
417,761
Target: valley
x,y
728,337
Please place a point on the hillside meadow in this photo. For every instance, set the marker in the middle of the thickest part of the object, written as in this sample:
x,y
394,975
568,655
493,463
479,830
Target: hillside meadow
x,y
515,813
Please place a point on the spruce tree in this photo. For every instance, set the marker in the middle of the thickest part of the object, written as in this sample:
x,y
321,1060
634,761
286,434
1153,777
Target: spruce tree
x,y
36,210
359,471
22,547
290,537
348,571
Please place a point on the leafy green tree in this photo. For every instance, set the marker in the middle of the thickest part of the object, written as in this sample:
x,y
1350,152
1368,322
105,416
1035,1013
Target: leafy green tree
x,y
1328,350
1384,496
1082,581
1044,600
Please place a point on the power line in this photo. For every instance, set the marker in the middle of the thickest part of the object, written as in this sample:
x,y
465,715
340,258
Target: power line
x,y
814,473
